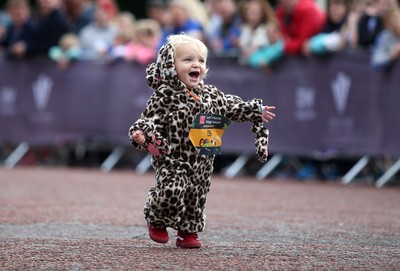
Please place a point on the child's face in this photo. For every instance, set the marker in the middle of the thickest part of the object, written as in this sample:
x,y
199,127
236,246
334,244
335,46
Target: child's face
x,y
190,64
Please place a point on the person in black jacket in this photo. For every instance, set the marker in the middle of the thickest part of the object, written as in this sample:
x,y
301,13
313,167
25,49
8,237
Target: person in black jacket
x,y
19,30
50,25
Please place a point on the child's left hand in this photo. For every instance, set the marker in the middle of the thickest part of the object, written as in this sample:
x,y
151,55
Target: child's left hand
x,y
267,115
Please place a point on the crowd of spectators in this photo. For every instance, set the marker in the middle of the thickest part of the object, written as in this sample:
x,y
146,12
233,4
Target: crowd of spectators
x,y
257,33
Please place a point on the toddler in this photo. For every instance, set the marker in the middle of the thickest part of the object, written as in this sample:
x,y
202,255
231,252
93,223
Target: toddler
x,y
182,114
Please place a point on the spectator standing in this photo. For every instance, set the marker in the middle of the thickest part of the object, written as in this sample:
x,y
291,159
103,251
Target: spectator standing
x,y
333,35
223,40
110,7
4,22
18,30
214,20
350,29
369,24
126,23
80,13
197,11
256,16
182,21
387,47
51,23
97,37
143,48
157,10
298,21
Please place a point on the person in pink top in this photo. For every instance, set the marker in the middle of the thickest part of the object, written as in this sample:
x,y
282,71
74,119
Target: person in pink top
x,y
143,48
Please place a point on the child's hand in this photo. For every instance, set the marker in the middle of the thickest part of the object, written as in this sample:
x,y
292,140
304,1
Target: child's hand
x,y
138,137
266,114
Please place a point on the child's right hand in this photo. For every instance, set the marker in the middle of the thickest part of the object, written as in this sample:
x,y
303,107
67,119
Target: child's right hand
x,y
138,137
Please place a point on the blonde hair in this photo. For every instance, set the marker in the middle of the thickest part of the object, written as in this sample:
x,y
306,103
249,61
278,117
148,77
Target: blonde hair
x,y
182,38
126,23
195,9
148,27
198,45
69,40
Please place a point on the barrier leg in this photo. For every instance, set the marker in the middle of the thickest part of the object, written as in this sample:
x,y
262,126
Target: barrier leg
x,y
352,173
19,152
112,159
236,166
388,174
144,165
269,166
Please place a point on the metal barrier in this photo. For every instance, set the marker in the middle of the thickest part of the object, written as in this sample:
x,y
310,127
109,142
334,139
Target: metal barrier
x,y
336,104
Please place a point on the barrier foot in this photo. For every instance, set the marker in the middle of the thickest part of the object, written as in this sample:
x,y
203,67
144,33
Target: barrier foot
x,y
269,166
352,173
144,165
234,169
388,174
19,152
112,159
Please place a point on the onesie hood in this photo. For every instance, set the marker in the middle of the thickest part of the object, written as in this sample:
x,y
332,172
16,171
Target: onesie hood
x,y
163,71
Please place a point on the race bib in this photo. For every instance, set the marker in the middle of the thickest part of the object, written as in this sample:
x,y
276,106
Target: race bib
x,y
206,133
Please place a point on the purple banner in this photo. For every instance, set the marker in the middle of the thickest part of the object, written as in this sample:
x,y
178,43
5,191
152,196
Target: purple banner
x,y
336,103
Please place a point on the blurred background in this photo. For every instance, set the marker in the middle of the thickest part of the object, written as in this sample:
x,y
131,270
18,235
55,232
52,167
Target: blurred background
x,y
72,81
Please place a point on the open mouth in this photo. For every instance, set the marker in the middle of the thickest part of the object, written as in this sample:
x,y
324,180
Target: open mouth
x,y
194,75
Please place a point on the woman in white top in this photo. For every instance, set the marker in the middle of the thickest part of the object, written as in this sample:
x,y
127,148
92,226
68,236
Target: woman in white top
x,y
256,15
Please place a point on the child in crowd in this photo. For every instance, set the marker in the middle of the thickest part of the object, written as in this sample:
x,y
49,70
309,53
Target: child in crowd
x,y
387,47
67,50
125,23
143,48
181,113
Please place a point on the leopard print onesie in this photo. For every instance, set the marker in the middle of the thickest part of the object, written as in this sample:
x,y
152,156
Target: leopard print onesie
x,y
182,175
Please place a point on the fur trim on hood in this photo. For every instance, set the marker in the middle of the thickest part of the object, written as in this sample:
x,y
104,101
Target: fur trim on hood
x,y
163,71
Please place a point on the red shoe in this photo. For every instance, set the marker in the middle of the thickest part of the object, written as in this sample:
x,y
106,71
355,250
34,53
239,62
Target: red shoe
x,y
159,235
187,240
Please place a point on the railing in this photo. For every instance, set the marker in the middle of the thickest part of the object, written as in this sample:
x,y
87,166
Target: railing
x,y
337,104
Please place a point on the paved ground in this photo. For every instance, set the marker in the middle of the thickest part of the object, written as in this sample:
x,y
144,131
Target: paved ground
x,y
64,219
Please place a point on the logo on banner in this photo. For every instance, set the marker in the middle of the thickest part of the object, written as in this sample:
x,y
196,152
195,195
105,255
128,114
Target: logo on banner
x,y
8,99
341,126
305,103
42,88
340,89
